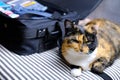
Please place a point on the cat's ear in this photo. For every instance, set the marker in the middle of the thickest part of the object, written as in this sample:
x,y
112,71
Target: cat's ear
x,y
69,27
96,27
91,27
68,24
83,22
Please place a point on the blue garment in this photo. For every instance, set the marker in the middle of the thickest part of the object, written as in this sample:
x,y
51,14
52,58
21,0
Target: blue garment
x,y
23,10
5,6
36,8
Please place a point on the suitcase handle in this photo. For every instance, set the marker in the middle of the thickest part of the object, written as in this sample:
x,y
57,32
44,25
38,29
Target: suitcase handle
x,y
54,32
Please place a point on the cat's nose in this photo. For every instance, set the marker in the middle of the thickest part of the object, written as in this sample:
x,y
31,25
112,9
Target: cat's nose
x,y
81,50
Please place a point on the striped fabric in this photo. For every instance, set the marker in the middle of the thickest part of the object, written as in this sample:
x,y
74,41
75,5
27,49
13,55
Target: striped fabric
x,y
44,66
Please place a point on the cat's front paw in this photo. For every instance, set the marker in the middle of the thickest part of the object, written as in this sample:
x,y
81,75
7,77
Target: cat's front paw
x,y
76,72
99,65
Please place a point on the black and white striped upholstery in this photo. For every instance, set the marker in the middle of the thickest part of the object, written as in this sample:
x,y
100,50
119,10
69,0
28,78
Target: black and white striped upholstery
x,y
44,66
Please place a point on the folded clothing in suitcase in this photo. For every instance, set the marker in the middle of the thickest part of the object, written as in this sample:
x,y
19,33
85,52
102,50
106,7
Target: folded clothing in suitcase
x,y
33,31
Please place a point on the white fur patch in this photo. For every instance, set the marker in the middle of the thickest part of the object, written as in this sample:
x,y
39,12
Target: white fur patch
x,y
76,72
80,59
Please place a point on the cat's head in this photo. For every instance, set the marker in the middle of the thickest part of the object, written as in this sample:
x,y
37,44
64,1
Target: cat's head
x,y
79,38
75,38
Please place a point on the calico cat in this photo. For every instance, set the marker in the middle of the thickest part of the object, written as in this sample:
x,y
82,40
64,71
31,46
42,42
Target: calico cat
x,y
93,46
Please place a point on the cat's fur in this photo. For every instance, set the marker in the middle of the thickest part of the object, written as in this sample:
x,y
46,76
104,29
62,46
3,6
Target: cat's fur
x,y
76,47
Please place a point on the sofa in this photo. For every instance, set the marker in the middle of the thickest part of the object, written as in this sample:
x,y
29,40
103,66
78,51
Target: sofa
x,y
45,66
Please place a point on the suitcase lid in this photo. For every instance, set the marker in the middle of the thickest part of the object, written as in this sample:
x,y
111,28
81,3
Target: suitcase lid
x,y
82,7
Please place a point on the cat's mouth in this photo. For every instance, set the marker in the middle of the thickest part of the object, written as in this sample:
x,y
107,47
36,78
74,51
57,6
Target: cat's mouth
x,y
82,53
90,52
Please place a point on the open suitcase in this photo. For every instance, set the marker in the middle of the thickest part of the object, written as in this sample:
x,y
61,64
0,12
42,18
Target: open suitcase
x,y
33,32
14,37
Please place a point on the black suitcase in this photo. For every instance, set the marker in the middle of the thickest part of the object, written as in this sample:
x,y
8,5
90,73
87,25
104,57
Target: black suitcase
x,y
26,35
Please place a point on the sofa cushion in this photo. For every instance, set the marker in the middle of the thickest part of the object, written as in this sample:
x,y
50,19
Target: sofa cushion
x,y
45,66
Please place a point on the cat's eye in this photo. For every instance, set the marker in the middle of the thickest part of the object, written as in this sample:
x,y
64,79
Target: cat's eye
x,y
74,40
88,42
